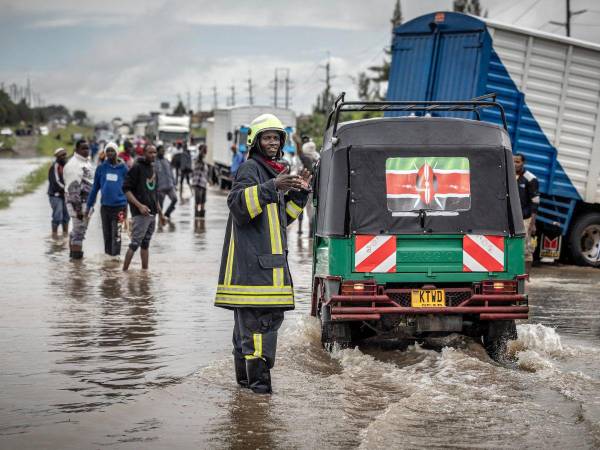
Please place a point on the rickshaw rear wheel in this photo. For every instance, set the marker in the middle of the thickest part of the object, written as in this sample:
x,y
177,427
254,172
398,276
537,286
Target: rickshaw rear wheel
x,y
334,333
496,335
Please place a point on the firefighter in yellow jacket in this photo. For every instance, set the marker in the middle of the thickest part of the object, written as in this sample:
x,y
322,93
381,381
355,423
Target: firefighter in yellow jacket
x,y
254,280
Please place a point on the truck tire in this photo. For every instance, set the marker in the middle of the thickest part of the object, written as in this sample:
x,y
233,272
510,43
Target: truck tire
x,y
496,334
584,240
333,333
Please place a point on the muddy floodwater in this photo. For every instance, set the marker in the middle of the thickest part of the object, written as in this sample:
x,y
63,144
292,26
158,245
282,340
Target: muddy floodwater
x,y
95,358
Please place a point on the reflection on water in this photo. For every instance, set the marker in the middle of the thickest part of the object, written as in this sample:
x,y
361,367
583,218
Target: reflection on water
x,y
94,355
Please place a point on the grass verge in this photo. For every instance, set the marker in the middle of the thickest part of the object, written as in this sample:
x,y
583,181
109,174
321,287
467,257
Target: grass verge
x,y
61,138
7,142
26,185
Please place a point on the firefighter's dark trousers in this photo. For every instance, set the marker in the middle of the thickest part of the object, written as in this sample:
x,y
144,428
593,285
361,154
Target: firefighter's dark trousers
x,y
112,224
254,345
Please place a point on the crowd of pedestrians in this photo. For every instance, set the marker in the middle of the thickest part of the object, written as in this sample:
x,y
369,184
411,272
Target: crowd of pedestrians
x,y
134,182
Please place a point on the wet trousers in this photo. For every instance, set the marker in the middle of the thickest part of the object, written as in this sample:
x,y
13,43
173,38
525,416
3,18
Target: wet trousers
x,y
254,346
172,197
112,224
199,201
59,211
77,234
529,247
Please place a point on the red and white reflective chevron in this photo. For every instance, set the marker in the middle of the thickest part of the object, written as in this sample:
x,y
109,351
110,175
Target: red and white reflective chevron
x,y
483,253
374,253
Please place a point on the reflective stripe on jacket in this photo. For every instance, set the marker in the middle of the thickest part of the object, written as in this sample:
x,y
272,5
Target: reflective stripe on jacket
x,y
254,269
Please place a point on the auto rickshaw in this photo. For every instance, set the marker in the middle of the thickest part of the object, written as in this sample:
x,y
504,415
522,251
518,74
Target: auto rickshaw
x,y
419,231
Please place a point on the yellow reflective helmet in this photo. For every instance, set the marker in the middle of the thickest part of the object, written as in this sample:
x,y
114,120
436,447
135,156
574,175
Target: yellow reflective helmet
x,y
265,122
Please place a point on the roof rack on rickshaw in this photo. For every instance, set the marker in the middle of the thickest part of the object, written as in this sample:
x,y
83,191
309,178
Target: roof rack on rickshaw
x,y
475,105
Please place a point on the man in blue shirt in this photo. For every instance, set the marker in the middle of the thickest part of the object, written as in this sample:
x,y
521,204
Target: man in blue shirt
x,y
239,156
109,181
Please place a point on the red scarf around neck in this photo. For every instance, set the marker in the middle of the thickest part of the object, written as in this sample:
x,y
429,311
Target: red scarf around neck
x,y
277,167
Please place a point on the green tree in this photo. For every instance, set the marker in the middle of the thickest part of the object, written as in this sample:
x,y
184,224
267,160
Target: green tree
x,y
468,7
80,116
179,109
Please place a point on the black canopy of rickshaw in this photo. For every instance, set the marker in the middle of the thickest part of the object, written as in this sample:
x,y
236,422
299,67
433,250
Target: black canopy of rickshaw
x,y
351,180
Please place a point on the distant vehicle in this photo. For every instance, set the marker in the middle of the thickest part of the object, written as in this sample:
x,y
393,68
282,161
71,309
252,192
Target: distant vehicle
x,y
169,129
104,135
547,84
229,127
44,131
6,132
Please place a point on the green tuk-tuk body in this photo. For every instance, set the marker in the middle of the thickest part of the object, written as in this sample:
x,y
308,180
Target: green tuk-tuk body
x,y
419,231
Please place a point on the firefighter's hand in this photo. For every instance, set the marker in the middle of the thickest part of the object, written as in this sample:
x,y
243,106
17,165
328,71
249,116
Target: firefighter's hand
x,y
285,182
306,177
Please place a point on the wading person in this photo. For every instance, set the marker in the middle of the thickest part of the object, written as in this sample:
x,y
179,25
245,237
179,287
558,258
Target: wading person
x,y
165,181
185,168
199,182
309,157
109,179
140,189
79,176
530,199
56,192
254,279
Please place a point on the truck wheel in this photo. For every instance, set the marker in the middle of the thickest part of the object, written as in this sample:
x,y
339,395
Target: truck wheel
x,y
495,336
584,240
334,332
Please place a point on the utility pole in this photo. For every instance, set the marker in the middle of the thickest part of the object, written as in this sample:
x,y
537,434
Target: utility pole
x,y
199,105
250,96
282,76
569,15
215,98
288,85
232,98
275,87
188,101
28,93
327,100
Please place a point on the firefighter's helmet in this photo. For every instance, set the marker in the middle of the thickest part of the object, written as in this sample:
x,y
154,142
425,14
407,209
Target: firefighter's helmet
x,y
265,122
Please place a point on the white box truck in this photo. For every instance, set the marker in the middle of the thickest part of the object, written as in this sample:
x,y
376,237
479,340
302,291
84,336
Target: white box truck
x,y
228,128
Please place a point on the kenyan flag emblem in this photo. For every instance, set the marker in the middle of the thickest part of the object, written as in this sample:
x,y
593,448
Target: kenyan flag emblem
x,y
430,183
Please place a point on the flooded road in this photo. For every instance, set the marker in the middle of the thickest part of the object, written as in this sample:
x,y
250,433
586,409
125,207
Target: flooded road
x,y
94,358
13,169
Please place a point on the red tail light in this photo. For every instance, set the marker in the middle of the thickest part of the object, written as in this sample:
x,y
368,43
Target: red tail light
x,y
350,287
498,287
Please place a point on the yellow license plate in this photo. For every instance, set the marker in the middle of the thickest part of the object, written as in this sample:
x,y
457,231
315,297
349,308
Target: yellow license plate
x,y
428,298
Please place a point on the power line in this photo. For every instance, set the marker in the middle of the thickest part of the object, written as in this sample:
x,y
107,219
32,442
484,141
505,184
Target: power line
x,y
527,11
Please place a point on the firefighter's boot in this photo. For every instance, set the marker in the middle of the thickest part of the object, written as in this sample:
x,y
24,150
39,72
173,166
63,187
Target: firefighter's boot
x,y
259,376
241,376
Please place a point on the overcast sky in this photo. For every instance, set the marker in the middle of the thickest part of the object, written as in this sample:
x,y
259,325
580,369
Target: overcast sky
x,y
123,57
